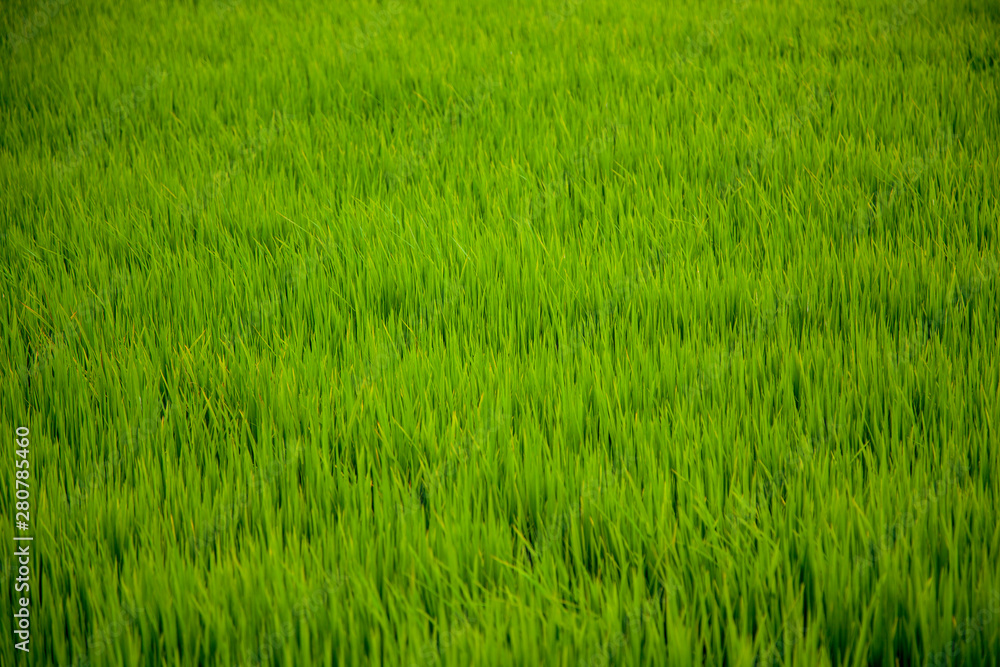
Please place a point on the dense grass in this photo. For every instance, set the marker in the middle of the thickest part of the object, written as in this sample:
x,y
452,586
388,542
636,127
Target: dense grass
x,y
503,333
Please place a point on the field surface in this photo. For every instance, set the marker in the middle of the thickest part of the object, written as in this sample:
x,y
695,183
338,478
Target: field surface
x,y
584,332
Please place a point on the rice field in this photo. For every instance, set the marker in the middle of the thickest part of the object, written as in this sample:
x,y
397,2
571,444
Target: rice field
x,y
566,332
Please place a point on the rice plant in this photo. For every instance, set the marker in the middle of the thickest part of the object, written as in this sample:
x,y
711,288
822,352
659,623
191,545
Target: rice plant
x,y
574,333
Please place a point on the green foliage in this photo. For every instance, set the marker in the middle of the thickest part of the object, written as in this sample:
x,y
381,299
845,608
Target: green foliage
x,y
584,333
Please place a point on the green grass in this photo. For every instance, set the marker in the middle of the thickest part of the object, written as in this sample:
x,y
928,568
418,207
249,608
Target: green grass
x,y
518,333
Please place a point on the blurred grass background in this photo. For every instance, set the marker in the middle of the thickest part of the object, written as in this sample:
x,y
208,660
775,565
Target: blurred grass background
x,y
423,333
